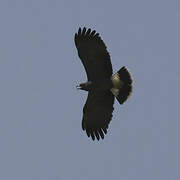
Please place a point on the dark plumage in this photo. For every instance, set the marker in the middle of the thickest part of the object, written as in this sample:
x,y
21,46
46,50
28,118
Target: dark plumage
x,y
101,85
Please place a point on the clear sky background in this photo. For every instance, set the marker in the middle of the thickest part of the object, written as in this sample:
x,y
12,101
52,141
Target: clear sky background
x,y
41,110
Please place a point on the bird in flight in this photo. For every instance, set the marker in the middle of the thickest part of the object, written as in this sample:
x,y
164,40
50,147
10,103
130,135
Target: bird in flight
x,y
102,85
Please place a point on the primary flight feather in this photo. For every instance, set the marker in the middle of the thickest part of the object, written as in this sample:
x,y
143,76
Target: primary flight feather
x,y
101,85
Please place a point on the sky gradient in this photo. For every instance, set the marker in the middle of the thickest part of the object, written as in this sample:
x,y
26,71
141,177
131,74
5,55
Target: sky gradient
x,y
41,110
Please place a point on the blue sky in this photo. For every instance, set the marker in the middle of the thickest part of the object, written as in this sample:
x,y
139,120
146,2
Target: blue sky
x,y
41,110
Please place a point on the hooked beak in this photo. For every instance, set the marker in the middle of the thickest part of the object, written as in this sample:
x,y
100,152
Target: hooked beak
x,y
78,87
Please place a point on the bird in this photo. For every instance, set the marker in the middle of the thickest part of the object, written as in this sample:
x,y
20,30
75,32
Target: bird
x,y
102,85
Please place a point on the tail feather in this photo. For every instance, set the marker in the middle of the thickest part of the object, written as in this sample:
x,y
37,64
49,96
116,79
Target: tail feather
x,y
122,82
125,75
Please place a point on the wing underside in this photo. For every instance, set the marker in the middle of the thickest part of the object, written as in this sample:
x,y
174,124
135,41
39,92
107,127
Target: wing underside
x,y
97,114
97,111
93,54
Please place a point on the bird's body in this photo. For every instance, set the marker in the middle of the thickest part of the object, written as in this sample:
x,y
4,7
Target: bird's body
x,y
102,86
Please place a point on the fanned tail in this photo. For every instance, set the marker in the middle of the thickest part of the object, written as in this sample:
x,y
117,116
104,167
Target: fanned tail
x,y
122,85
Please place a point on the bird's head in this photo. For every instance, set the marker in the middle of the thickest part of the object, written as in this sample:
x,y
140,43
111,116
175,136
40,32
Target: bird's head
x,y
87,86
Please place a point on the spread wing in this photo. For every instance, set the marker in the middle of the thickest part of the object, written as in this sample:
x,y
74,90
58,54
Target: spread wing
x,y
93,54
97,113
